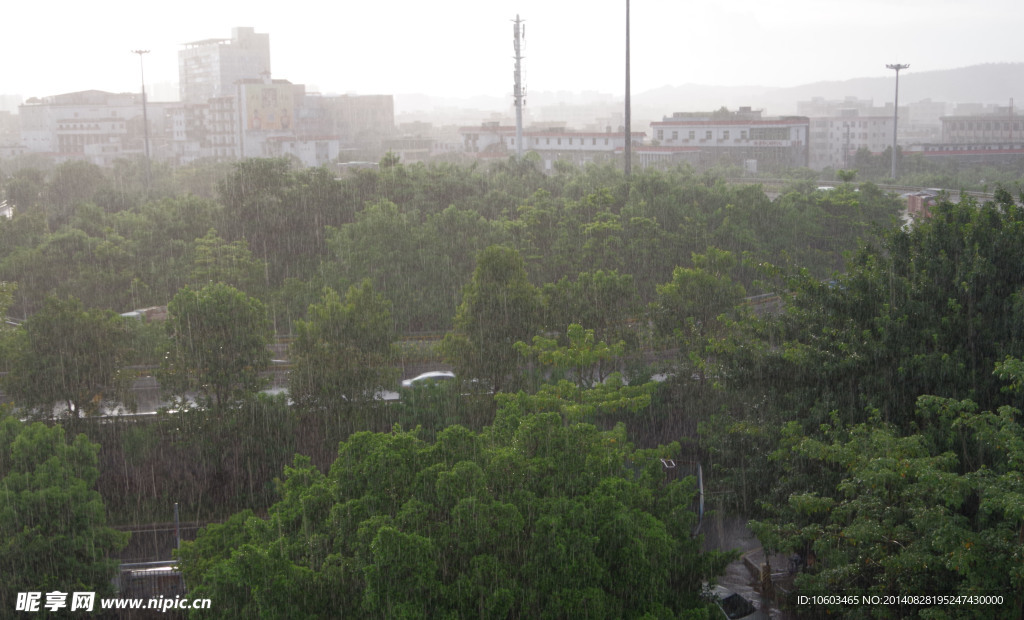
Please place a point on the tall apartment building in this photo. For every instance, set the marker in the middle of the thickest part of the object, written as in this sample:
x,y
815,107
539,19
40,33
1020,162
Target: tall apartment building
x,y
205,131
841,127
835,139
210,68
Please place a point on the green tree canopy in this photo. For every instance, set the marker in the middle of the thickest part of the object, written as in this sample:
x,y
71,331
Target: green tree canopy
x,y
53,530
343,353
589,362
219,338
935,511
531,518
602,300
695,297
499,308
215,260
68,356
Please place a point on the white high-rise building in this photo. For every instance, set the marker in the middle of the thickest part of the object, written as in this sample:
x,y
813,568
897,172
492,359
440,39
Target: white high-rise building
x,y
210,68
835,140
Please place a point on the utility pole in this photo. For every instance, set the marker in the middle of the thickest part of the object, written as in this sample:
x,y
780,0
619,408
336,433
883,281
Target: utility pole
x,y
896,113
1011,122
145,119
629,132
519,31
846,149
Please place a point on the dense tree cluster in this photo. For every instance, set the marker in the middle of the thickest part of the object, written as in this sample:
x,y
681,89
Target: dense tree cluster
x,y
53,524
851,384
282,235
344,354
530,518
875,426
218,344
68,355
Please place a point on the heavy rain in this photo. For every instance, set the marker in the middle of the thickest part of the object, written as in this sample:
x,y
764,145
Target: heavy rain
x,y
268,351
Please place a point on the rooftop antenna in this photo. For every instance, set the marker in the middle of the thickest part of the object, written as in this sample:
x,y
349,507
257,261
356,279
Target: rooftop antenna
x,y
519,31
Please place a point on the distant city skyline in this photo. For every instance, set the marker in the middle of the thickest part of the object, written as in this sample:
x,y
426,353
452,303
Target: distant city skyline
x,y
457,48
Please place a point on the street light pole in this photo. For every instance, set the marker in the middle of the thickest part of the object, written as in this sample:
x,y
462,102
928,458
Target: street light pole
x,y
145,119
896,113
629,132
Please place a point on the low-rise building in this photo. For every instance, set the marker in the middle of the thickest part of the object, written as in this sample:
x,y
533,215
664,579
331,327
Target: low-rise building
x,y
93,125
1000,125
667,156
493,140
741,138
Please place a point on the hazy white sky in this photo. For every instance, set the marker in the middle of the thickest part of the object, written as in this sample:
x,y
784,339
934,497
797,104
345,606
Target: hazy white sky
x,y
464,47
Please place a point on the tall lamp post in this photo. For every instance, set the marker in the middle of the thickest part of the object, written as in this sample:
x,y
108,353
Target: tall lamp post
x,y
629,132
895,114
145,119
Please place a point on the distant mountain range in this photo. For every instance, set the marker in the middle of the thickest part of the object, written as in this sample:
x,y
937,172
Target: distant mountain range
x,y
989,84
994,83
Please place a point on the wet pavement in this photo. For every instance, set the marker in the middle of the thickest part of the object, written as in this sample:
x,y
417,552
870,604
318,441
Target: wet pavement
x,y
741,575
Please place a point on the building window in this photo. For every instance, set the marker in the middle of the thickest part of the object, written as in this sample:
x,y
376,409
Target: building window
x,y
693,134
559,140
743,134
707,135
725,134
661,134
593,141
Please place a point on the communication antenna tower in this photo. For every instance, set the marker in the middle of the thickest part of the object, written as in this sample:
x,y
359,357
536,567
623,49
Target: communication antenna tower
x,y
519,90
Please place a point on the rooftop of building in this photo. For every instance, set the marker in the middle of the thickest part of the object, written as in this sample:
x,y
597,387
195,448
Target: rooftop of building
x,y
676,122
207,42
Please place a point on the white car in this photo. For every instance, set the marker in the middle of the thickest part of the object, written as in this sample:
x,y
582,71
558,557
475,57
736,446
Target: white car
x,y
434,376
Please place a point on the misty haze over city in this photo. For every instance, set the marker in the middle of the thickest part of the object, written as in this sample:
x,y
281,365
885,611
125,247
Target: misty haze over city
x,y
461,49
